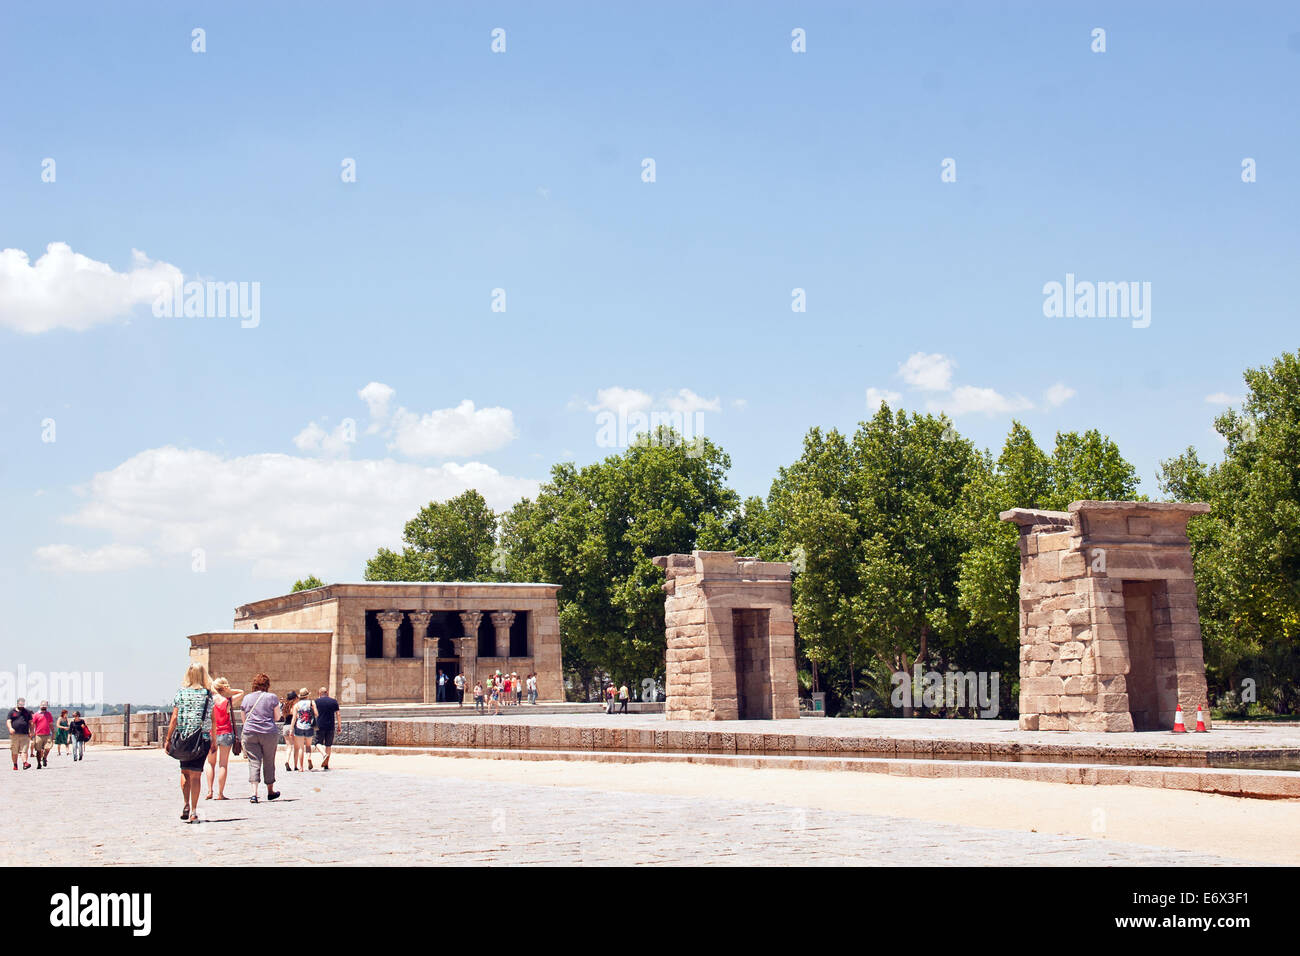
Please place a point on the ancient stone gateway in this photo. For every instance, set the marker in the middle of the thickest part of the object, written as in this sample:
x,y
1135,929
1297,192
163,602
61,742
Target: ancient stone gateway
x,y
1110,639
384,642
730,638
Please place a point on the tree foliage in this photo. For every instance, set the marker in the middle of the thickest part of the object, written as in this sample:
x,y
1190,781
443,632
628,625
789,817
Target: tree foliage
x,y
594,531
1246,551
451,540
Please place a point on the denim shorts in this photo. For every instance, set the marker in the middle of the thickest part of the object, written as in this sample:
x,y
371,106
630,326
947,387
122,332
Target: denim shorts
x,y
225,740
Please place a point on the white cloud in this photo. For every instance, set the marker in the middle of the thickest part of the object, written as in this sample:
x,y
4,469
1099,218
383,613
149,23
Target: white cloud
x,y
621,400
283,515
334,443
688,403
66,290
377,395
877,396
451,432
967,398
1223,398
111,557
930,373
1059,394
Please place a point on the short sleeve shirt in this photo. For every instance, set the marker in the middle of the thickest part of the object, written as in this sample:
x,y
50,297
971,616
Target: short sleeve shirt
x,y
20,718
190,710
326,708
259,712
42,723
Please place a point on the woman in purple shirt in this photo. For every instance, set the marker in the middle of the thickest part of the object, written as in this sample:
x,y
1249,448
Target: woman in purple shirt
x,y
261,735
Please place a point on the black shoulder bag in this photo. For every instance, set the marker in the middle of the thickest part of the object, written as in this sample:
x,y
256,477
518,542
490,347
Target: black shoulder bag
x,y
193,746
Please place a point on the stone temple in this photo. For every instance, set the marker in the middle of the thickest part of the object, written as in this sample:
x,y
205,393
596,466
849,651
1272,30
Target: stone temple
x,y
1110,638
384,642
730,638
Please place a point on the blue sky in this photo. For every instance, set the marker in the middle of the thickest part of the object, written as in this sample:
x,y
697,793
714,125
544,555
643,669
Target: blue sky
x,y
522,171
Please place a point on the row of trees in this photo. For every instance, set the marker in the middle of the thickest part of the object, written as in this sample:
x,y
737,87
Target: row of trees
x,y
899,555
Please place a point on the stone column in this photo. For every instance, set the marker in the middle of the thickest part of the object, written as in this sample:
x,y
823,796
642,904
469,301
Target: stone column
x,y
420,622
390,621
502,620
469,620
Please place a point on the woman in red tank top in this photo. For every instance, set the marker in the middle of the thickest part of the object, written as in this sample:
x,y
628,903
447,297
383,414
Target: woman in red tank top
x,y
223,735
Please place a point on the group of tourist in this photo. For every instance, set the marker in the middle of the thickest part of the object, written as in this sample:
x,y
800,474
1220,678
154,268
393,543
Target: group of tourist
x,y
201,733
621,695
502,688
32,734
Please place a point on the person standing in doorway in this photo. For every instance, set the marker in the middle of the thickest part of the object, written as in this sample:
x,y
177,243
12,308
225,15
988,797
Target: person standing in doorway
x,y
19,723
42,734
261,735
327,709
61,739
442,686
459,684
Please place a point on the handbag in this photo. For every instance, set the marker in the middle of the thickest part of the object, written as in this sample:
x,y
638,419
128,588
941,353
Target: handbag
x,y
237,747
191,746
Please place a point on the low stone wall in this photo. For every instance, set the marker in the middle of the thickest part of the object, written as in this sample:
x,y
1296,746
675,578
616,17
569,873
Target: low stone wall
x,y
1258,784
111,730
485,734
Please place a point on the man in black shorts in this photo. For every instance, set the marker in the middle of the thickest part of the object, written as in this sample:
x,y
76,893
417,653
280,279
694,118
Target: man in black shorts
x,y
327,709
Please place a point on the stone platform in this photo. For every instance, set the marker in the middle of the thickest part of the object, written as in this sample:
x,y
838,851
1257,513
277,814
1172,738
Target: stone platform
x,y
1232,761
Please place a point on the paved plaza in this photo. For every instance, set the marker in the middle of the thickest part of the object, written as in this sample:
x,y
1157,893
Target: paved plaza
x,y
122,807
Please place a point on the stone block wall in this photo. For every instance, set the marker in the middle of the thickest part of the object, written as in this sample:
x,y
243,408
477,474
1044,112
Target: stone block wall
x,y
730,634
1110,638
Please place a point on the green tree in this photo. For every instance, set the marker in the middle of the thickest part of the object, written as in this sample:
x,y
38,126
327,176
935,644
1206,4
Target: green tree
x,y
876,521
453,540
1087,466
307,583
1246,551
594,531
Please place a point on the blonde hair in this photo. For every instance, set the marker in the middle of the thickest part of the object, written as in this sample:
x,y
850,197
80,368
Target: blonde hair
x,y
220,684
197,676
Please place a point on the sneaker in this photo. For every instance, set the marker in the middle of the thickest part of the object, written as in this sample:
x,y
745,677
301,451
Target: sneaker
x,y
272,794
253,799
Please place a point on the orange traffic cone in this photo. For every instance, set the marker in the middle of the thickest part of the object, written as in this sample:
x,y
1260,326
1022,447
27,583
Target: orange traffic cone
x,y
1178,721
1200,720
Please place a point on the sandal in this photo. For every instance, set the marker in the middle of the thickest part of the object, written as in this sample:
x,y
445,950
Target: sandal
x,y
253,799
185,814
